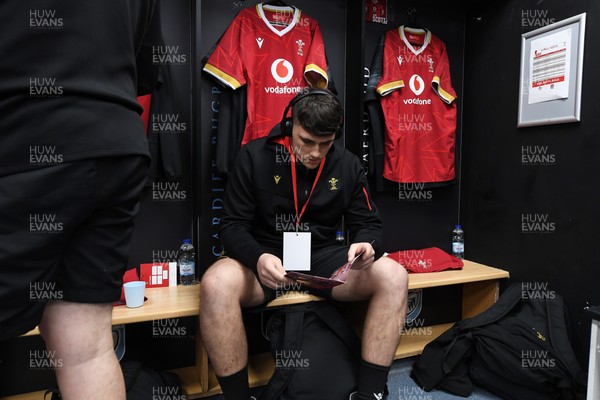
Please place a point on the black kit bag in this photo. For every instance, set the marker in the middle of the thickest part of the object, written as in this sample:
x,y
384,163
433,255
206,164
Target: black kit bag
x,y
145,383
142,383
316,353
518,349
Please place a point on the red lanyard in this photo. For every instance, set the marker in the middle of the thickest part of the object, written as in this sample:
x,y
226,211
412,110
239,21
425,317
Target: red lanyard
x,y
295,183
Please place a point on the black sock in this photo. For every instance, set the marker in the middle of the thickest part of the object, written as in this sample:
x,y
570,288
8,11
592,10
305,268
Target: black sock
x,y
372,379
235,386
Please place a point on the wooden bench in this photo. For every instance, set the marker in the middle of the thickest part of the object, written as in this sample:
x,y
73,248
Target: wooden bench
x,y
480,289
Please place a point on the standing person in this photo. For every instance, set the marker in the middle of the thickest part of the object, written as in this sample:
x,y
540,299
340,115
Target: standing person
x,y
73,162
297,174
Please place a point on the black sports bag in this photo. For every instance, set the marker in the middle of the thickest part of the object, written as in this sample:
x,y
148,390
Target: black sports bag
x,y
518,349
316,353
142,383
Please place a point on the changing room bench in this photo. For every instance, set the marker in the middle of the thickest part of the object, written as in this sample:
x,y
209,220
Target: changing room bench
x,y
480,289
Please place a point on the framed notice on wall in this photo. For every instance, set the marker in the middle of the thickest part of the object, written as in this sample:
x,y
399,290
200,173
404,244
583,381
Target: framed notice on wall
x,y
551,73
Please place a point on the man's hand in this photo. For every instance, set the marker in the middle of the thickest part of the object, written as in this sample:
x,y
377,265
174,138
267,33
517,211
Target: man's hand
x,y
271,272
366,259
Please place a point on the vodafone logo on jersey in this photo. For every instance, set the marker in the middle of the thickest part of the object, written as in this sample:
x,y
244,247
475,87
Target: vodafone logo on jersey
x,y
417,85
282,70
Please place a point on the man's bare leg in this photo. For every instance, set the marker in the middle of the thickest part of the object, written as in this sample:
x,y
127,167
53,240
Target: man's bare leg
x,y
385,285
79,338
226,287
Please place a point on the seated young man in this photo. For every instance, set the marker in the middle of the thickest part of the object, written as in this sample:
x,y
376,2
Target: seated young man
x,y
299,175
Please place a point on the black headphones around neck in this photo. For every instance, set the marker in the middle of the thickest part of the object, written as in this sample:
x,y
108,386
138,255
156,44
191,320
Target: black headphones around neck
x,y
286,125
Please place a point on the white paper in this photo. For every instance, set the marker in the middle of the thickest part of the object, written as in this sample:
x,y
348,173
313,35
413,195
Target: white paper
x,y
172,274
549,67
296,251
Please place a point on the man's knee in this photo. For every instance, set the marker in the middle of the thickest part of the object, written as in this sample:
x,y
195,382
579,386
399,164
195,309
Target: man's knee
x,y
77,331
224,278
391,275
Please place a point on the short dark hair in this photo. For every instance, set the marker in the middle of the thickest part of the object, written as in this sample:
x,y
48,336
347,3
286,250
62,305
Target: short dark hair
x,y
320,114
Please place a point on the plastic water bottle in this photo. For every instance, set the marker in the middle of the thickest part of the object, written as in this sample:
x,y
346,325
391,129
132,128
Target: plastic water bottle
x,y
458,242
339,237
186,263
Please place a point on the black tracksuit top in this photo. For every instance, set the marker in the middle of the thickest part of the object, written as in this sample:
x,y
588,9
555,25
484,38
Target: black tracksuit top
x,y
259,201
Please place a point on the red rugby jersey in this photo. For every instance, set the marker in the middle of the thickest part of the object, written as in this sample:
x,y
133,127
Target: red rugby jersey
x,y
417,99
276,52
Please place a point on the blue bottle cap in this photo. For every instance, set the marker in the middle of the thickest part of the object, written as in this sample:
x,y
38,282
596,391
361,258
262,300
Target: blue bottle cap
x,y
457,226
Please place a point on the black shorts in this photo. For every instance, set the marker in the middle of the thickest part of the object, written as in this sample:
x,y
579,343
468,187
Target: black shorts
x,y
64,235
323,262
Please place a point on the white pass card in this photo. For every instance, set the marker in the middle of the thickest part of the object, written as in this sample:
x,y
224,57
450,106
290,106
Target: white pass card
x,y
296,251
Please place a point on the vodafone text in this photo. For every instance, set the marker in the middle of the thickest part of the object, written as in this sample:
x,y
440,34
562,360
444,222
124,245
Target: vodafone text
x,y
283,89
417,101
